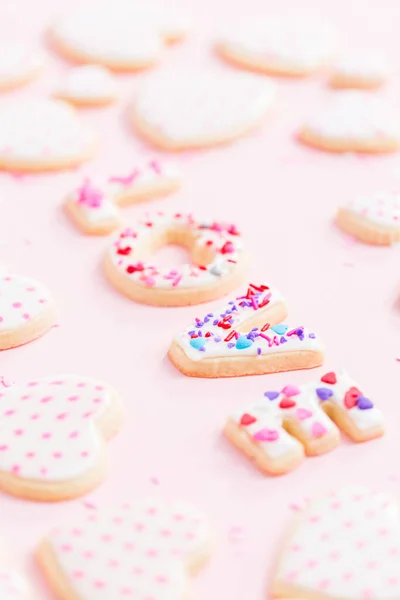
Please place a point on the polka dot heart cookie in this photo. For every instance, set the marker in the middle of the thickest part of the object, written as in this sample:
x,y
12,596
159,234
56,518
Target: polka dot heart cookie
x,y
219,261
353,121
181,109
277,431
245,337
27,310
38,134
373,220
19,64
52,436
142,551
88,86
344,544
13,586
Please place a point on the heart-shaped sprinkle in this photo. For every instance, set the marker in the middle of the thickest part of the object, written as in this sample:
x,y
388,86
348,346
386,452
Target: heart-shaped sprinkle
x,y
318,430
197,343
351,396
280,329
291,390
324,393
271,395
364,403
303,413
247,419
243,342
266,435
329,378
287,403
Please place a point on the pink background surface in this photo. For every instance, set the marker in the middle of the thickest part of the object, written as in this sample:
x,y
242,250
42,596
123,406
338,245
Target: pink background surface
x,y
283,197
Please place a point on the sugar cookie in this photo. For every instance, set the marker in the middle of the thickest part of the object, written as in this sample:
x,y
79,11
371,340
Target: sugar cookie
x,y
19,64
374,220
145,551
278,45
219,260
128,35
364,70
178,110
13,586
94,208
27,310
277,431
245,337
89,85
353,121
52,436
344,544
38,134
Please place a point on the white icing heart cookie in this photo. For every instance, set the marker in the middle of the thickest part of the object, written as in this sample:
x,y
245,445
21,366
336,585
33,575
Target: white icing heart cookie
x,y
19,64
353,122
245,337
278,46
373,220
89,85
127,36
277,431
13,586
178,110
52,436
219,260
38,134
345,544
145,552
27,310
364,70
95,208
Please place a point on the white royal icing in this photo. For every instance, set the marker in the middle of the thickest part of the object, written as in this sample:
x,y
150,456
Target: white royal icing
x,y
12,586
39,129
382,209
47,431
136,552
303,406
353,115
18,62
362,65
189,106
21,300
224,240
347,545
207,337
89,82
281,43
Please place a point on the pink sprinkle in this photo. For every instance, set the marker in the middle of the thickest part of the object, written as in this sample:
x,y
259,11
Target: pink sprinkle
x,y
177,281
318,430
26,316
155,480
266,435
16,305
150,281
15,469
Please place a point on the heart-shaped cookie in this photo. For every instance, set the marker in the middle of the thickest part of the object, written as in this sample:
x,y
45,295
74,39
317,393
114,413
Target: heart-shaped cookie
x,y
52,436
144,552
27,310
345,544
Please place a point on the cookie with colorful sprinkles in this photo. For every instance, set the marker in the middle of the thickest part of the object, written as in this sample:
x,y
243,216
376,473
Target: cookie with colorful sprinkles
x,y
245,337
279,430
219,260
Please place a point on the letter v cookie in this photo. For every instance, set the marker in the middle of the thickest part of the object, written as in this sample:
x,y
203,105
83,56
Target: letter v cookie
x,y
276,432
145,552
245,337
53,434
345,544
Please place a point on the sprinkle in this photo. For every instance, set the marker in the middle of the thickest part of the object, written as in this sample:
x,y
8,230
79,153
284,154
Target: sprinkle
x,y
261,288
217,339
230,335
231,345
265,327
266,338
191,332
312,336
280,329
364,403
215,322
243,342
210,315
283,340
247,419
197,343
291,390
253,303
154,480
177,281
271,395
318,430
266,435
259,351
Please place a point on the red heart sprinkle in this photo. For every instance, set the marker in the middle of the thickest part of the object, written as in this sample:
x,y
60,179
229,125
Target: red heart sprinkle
x,y
247,419
329,378
351,397
287,403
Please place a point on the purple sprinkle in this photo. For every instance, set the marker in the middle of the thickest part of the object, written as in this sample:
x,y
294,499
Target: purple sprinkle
x,y
206,320
300,330
234,307
283,340
217,339
300,336
199,324
312,336
202,349
200,333
271,395
230,345
254,329
191,332
231,302
324,393
259,351
210,315
364,403
215,322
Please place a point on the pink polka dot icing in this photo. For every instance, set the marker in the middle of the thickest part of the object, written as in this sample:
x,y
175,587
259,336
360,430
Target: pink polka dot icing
x,y
12,586
382,209
21,300
47,429
139,551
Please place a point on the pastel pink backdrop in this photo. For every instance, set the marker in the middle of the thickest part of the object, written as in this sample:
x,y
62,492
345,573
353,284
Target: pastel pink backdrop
x,y
283,197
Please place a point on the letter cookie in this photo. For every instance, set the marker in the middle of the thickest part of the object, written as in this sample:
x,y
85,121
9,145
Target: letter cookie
x,y
184,109
373,220
363,70
145,551
94,208
89,85
19,64
353,121
245,337
13,586
39,134
27,310
52,436
278,46
345,544
219,261
276,432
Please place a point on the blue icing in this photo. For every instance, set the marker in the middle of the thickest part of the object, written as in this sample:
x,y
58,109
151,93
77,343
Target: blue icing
x,y
197,343
280,329
243,342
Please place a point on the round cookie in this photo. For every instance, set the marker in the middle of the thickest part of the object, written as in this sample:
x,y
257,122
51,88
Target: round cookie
x,y
278,46
353,121
89,85
39,134
189,109
362,70
19,64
